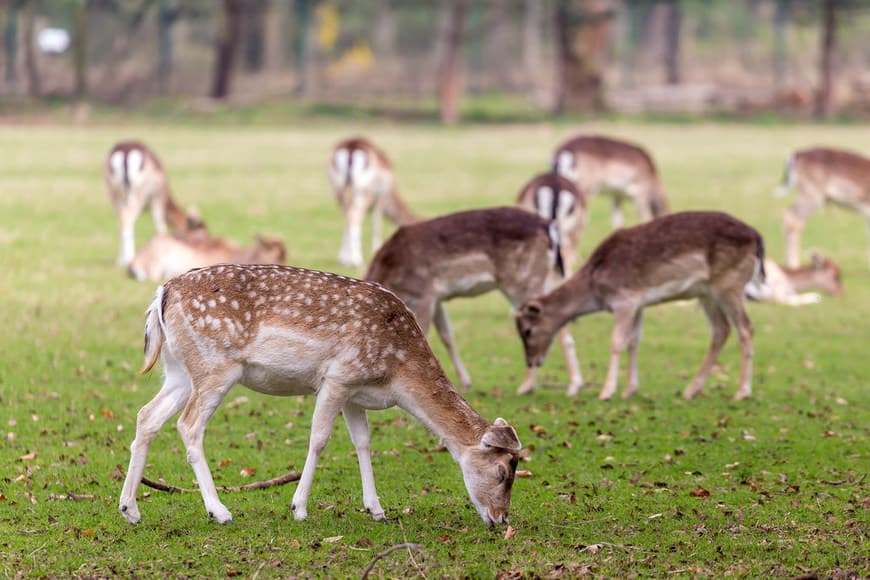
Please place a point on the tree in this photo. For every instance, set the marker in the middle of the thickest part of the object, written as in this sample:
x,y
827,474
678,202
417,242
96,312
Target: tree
x,y
673,20
80,47
582,37
226,47
780,47
826,60
34,86
451,72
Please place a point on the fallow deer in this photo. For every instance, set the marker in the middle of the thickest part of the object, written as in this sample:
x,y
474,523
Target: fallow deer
x,y
710,256
467,254
821,175
165,255
789,285
617,168
362,178
554,197
286,331
135,179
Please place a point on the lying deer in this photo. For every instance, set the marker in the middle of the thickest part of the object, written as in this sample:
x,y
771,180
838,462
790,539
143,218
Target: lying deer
x,y
710,256
619,169
467,254
166,256
362,178
822,175
287,331
788,285
135,179
554,197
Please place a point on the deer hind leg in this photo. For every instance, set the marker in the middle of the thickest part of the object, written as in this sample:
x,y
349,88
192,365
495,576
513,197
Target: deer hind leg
x,y
354,215
165,405
575,376
158,215
207,395
377,223
326,409
623,323
358,426
128,212
442,324
736,312
633,343
720,331
794,218
616,218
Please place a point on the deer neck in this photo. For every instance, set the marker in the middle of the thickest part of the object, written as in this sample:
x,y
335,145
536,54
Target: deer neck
x,y
572,299
397,210
176,217
438,405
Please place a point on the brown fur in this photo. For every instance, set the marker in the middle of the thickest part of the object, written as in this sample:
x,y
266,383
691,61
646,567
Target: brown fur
x,y
823,175
466,254
706,255
622,169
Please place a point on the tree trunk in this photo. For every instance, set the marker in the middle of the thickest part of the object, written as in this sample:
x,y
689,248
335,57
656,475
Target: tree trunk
x,y
632,35
780,46
582,37
253,35
165,19
826,60
80,48
302,44
451,73
673,24
10,41
34,86
226,48
386,30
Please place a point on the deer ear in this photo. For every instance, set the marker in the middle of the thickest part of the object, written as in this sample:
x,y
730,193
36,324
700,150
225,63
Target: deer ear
x,y
817,260
531,310
501,435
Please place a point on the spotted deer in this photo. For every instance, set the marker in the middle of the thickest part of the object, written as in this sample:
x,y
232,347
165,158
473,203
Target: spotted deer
x,y
789,285
136,180
710,256
554,197
286,331
363,180
165,255
467,254
617,168
822,175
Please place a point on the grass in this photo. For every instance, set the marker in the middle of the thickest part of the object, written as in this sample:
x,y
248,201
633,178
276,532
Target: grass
x,y
652,486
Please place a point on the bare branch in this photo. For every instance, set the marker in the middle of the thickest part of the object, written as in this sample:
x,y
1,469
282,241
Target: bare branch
x,y
387,552
284,479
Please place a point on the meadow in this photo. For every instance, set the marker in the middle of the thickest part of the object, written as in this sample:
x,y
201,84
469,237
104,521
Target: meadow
x,y
653,486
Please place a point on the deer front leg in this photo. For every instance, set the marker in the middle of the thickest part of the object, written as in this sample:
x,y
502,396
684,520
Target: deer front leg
x,y
442,324
744,332
165,405
377,224
720,330
202,404
575,377
623,322
616,218
358,426
633,343
326,409
793,226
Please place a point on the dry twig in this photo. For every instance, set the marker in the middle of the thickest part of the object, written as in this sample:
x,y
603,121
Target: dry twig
x,y
387,552
286,478
845,481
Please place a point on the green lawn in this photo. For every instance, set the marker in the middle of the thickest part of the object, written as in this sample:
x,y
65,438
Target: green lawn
x,y
615,489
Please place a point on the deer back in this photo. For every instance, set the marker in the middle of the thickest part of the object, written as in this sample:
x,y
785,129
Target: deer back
x,y
836,171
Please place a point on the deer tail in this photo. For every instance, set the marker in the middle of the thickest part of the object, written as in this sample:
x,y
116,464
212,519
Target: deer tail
x,y
556,247
154,331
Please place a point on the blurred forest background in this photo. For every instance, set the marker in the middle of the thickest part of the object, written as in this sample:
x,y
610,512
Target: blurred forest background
x,y
795,57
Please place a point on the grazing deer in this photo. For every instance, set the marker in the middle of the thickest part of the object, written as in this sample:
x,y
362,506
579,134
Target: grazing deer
x,y
287,331
620,169
554,197
822,175
166,255
135,179
363,180
788,285
710,256
469,253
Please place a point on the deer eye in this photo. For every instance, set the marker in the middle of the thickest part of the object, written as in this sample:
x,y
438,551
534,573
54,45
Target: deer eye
x,y
502,473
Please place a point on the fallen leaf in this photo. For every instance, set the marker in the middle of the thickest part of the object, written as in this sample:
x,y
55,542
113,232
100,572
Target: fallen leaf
x,y
295,544
699,492
225,462
829,434
107,413
654,516
592,548
247,472
28,456
332,539
365,543
89,532
523,473
537,429
509,533
444,537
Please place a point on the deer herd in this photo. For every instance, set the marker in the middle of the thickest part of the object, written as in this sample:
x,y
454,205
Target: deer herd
x,y
234,315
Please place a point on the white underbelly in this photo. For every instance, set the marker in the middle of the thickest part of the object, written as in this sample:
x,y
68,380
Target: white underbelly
x,y
676,290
